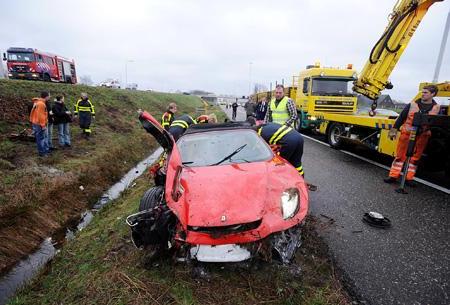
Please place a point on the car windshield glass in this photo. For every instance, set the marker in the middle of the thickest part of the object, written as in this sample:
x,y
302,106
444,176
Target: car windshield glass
x,y
23,57
211,147
338,87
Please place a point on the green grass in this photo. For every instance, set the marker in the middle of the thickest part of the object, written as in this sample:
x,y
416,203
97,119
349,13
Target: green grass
x,y
101,266
118,142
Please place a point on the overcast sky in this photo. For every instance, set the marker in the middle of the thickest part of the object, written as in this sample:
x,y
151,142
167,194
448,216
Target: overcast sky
x,y
209,45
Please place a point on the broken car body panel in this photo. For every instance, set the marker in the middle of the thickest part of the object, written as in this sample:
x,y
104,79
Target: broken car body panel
x,y
238,201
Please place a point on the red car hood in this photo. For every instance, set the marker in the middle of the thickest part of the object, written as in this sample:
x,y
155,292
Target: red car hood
x,y
222,195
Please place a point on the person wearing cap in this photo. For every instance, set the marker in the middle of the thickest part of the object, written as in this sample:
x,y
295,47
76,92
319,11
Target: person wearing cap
x,y
168,116
86,111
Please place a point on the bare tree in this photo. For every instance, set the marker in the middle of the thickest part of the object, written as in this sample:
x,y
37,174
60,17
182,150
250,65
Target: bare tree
x,y
259,88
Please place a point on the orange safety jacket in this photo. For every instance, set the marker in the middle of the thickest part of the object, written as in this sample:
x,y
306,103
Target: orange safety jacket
x,y
39,114
413,108
202,119
402,145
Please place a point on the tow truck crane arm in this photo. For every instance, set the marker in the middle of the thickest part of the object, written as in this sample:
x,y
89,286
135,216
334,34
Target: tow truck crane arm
x,y
404,20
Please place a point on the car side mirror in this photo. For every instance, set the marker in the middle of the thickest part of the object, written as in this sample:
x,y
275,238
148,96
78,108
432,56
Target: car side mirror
x,y
4,57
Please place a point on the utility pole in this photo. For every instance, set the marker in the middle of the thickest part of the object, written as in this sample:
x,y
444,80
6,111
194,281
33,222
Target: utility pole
x,y
250,78
442,50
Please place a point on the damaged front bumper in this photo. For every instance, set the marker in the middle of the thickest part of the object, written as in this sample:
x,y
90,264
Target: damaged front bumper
x,y
151,227
219,254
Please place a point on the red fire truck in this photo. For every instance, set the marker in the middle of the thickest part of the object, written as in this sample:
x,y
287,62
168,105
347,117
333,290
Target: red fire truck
x,y
27,63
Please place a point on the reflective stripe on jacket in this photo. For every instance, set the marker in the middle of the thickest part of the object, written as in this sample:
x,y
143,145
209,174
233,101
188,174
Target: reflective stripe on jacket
x,y
166,119
84,106
277,135
183,121
280,114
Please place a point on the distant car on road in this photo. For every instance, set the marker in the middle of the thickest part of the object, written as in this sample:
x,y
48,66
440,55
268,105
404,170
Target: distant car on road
x,y
132,86
110,83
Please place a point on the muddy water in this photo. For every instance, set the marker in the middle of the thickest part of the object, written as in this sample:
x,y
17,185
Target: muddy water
x,y
26,269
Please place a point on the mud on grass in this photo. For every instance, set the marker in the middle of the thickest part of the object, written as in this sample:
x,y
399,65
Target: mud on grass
x,y
39,196
101,266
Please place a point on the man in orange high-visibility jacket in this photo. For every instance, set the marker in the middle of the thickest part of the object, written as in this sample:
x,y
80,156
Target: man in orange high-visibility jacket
x,y
39,120
425,105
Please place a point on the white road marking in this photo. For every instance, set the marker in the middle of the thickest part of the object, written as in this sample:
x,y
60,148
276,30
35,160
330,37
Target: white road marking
x,y
427,183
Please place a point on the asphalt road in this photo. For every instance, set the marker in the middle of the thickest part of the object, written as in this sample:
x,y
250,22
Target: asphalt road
x,y
408,263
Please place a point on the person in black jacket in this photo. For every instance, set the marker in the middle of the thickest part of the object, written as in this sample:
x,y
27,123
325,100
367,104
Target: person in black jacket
x,y
85,109
48,104
62,118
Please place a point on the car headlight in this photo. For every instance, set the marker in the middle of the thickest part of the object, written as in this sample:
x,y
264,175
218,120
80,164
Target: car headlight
x,y
289,203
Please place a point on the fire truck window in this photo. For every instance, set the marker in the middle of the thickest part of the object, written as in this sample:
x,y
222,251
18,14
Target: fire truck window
x,y
48,60
40,58
22,57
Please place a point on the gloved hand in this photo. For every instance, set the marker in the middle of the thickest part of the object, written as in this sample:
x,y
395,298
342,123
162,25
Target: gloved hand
x,y
392,133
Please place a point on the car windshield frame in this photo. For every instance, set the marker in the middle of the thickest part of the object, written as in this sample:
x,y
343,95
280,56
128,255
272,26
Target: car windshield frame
x,y
222,147
20,56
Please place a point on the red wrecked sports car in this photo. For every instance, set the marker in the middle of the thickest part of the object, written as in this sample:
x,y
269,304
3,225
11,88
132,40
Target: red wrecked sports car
x,y
222,195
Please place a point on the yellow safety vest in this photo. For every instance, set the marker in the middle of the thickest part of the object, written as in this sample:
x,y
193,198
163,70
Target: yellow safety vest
x,y
280,114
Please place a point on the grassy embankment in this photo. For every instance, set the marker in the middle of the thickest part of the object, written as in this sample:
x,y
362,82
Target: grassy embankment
x,y
39,196
101,266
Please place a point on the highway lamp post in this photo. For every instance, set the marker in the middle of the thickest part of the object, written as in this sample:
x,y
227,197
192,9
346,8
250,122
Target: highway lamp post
x,y
126,72
250,78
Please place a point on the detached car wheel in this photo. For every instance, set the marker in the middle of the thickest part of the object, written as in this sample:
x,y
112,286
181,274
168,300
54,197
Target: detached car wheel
x,y
151,198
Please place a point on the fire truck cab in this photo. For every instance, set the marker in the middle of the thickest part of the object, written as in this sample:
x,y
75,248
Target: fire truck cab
x,y
32,64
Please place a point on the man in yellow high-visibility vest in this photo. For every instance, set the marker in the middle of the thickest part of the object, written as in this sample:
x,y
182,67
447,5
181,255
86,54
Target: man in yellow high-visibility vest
x,y
281,109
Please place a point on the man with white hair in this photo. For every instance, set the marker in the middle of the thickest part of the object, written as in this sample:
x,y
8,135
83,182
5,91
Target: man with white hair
x,y
85,109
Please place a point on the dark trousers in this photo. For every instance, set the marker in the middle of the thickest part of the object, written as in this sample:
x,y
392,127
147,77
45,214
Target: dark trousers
x,y
233,116
85,122
292,150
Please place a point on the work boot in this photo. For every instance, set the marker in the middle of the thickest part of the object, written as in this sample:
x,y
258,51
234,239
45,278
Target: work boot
x,y
390,180
410,183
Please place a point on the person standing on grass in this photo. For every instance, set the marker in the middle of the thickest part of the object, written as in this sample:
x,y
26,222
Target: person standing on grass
x,y
49,106
39,121
168,116
85,109
62,119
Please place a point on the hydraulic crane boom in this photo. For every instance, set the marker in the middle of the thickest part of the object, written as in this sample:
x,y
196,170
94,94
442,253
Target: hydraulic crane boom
x,y
404,20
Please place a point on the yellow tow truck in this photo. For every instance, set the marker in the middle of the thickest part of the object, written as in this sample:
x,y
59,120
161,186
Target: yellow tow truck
x,y
326,97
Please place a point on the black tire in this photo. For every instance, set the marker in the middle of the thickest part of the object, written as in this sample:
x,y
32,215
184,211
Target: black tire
x,y
47,78
333,135
151,198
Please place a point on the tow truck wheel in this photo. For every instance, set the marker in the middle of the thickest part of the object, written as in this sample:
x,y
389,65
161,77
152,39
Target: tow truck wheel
x,y
335,132
151,198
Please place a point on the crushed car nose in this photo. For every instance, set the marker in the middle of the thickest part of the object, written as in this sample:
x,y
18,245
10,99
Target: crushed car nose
x,y
220,253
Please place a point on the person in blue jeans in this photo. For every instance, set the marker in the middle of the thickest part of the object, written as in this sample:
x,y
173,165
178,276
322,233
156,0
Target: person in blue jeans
x,y
62,118
39,121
